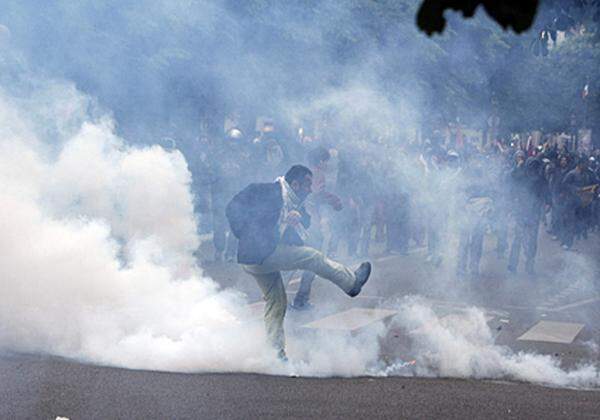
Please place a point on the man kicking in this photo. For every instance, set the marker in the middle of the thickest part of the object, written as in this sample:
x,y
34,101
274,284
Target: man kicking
x,y
270,221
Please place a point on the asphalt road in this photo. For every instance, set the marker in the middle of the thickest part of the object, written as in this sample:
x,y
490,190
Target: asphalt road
x,y
34,387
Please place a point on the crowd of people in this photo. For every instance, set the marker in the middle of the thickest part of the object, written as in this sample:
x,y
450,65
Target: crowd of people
x,y
438,194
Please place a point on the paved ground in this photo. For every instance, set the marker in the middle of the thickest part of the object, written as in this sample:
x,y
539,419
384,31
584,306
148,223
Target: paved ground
x,y
46,388
564,292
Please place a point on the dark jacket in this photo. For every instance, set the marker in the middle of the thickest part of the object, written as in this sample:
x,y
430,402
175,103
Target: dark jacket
x,y
253,216
529,190
574,180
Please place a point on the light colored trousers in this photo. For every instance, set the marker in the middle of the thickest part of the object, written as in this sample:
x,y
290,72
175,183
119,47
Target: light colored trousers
x,y
287,258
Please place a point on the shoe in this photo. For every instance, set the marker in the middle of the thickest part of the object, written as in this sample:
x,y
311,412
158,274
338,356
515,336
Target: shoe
x,y
361,275
301,306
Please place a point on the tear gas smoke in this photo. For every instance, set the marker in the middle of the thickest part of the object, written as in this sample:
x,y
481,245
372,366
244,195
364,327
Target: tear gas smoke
x,y
98,231
98,266
464,347
91,265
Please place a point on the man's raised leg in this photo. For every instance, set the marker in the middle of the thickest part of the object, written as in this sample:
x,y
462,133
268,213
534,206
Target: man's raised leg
x,y
305,258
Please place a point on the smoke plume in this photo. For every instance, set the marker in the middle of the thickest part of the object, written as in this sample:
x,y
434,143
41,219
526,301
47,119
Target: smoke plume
x,y
97,221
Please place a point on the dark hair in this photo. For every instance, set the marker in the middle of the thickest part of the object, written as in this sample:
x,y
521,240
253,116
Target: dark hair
x,y
318,155
297,173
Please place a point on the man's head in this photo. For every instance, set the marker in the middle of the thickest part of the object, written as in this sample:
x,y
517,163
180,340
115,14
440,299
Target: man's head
x,y
300,179
582,164
318,157
534,167
564,161
520,157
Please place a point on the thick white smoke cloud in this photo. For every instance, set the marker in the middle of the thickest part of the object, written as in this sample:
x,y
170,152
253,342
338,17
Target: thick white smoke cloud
x,y
463,346
96,255
142,193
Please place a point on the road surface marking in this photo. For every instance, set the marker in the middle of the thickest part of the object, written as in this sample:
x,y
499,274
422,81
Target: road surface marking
x,y
570,305
351,320
552,332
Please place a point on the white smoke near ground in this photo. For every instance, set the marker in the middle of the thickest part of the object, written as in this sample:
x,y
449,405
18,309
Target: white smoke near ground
x,y
463,346
96,255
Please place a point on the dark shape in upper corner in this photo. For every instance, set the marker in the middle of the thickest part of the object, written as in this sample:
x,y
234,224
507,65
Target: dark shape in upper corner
x,y
515,14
